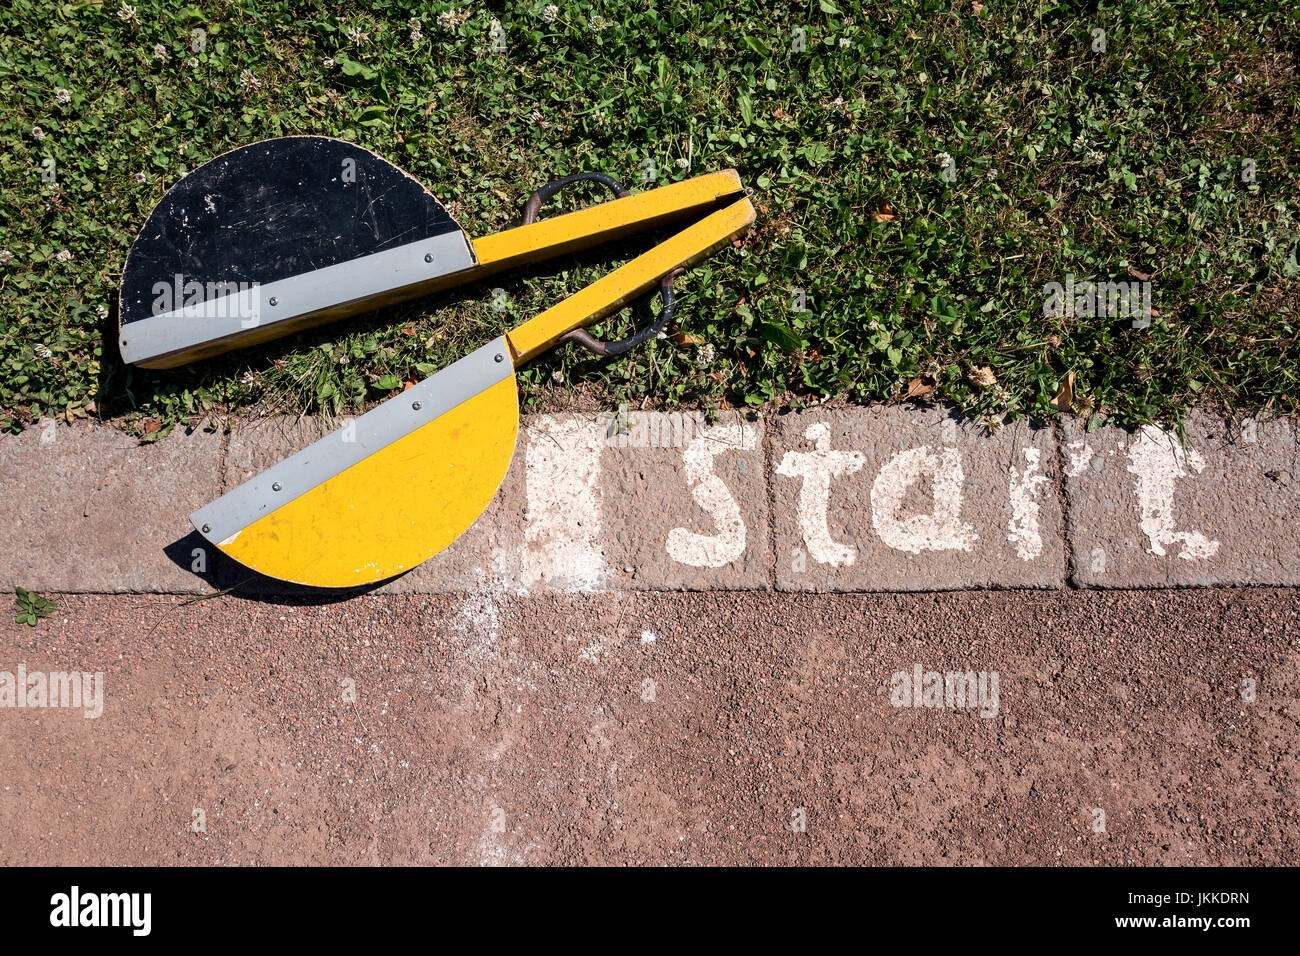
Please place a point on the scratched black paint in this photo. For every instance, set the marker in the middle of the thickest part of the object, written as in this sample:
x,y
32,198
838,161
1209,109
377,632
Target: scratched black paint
x,y
276,209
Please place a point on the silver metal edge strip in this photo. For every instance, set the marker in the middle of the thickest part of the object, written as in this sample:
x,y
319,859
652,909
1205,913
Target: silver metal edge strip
x,y
274,302
346,446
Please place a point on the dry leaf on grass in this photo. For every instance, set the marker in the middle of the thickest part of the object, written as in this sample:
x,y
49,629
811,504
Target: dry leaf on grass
x,y
919,386
981,377
883,213
1064,399
687,338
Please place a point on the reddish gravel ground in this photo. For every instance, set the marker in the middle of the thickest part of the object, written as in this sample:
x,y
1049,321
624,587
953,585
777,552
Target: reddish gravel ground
x,y
493,729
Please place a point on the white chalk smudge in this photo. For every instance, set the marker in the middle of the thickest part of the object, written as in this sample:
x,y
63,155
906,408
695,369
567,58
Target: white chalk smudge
x,y
941,529
1080,454
563,523
1159,460
817,468
710,493
1022,529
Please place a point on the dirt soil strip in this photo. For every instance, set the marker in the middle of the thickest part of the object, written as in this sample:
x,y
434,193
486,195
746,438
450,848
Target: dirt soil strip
x,y
714,727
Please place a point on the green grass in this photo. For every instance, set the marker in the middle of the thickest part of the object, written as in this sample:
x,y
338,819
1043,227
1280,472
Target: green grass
x,y
1067,160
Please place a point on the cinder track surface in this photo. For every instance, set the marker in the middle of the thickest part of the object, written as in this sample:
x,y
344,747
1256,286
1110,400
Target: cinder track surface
x,y
493,729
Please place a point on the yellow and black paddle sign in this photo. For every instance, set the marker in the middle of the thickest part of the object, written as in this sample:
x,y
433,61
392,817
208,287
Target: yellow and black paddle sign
x,y
293,232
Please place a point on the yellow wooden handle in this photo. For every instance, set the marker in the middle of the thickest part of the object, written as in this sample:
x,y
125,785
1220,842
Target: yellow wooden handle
x,y
603,222
611,292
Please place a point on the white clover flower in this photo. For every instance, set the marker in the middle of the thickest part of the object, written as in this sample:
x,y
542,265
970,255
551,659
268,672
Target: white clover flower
x,y
43,351
63,96
249,379
837,103
598,114
682,162
6,257
536,117
328,63
557,376
550,12
63,255
140,177
416,36
38,133
160,53
413,23
705,354
249,81
358,36
451,19
101,311
597,22
193,64
844,41
127,15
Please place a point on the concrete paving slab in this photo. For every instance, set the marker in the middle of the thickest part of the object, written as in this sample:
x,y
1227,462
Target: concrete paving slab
x,y
857,499
260,443
645,501
907,499
1146,510
542,532
90,509
685,502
